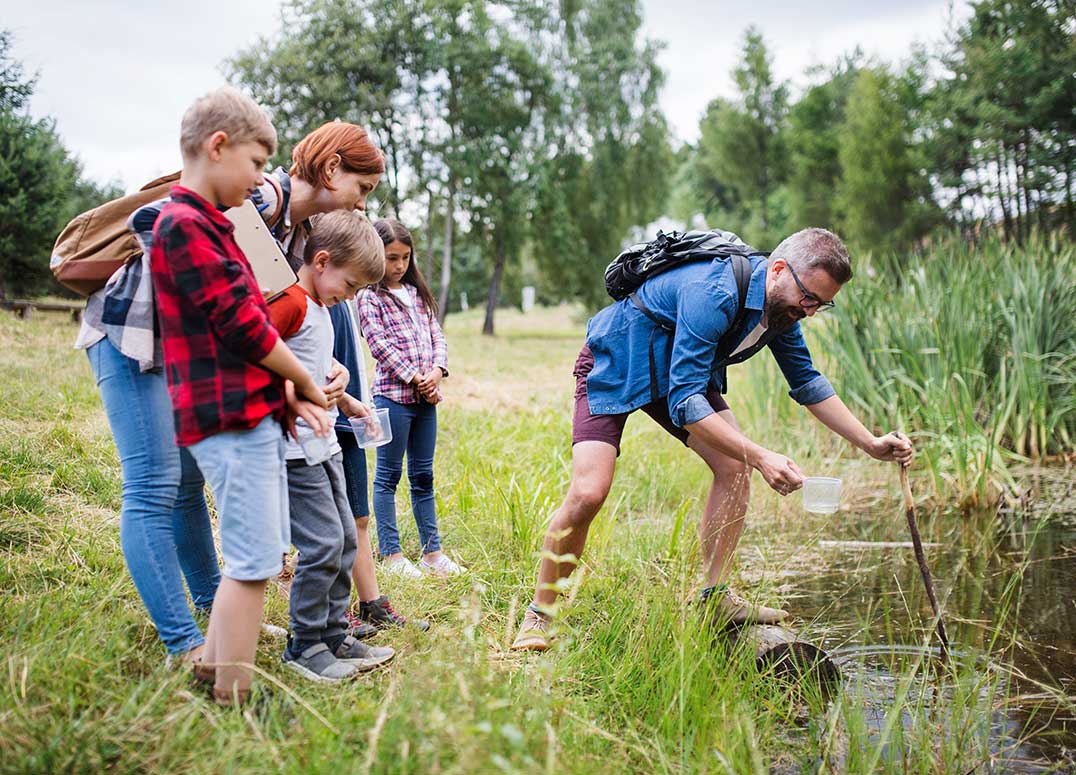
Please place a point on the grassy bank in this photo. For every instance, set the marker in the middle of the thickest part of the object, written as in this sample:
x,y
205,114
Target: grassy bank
x,y
635,685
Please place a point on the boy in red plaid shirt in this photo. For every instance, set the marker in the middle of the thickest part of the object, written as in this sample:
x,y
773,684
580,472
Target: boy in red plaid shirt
x,y
226,368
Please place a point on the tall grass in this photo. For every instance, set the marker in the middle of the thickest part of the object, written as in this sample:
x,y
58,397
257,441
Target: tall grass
x,y
636,683
969,346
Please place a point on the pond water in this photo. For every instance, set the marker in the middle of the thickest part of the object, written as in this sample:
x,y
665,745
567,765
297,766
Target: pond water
x,y
1013,572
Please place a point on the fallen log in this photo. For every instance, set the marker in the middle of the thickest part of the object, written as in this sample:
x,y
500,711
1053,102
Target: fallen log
x,y
780,651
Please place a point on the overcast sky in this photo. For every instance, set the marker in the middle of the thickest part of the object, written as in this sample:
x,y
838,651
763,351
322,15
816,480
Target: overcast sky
x,y
117,75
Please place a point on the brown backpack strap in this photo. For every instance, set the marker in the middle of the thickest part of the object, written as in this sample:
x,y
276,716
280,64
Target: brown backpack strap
x,y
278,213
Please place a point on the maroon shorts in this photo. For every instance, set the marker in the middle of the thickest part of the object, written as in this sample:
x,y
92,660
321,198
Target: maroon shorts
x,y
610,427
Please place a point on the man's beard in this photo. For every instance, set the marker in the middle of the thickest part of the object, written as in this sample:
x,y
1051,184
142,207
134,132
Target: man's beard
x,y
781,317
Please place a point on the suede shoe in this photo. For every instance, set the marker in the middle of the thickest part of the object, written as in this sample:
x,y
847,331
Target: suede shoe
x,y
317,663
533,633
727,609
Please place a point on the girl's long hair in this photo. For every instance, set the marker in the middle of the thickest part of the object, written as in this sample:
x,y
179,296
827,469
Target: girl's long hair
x,y
390,231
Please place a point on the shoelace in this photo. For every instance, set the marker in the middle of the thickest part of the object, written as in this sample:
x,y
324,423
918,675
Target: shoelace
x,y
388,607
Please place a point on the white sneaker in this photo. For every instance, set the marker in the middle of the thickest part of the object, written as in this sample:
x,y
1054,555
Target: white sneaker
x,y
403,567
272,631
442,566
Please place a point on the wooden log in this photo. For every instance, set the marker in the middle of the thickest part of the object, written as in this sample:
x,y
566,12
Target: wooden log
x,y
781,651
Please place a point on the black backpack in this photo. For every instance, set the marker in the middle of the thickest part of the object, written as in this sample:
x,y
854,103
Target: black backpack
x,y
644,260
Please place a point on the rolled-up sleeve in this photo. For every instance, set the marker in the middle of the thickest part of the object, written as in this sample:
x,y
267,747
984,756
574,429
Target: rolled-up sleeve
x,y
807,385
703,315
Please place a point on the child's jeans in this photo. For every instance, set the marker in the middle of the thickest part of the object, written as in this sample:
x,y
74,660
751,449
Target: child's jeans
x,y
414,431
245,469
164,523
323,530
354,460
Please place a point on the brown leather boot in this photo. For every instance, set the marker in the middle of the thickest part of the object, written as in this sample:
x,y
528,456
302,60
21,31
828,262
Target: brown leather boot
x,y
533,633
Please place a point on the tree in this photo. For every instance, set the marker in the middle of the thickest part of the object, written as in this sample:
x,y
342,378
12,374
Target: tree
x,y
41,186
742,143
812,137
881,191
613,163
1003,125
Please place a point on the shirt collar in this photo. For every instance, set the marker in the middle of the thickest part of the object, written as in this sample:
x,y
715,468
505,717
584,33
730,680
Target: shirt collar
x,y
756,288
189,197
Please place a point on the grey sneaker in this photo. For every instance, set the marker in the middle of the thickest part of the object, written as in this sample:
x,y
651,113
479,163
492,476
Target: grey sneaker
x,y
317,663
360,656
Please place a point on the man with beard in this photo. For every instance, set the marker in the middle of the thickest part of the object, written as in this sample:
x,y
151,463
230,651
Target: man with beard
x,y
674,330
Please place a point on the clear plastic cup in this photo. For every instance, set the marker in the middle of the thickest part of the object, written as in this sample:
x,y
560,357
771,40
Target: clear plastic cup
x,y
316,449
372,431
821,494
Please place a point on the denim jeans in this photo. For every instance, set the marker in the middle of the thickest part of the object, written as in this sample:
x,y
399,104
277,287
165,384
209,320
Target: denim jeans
x,y
354,459
245,470
414,431
165,532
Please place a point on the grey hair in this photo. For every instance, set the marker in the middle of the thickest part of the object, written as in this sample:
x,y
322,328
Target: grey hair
x,y
816,249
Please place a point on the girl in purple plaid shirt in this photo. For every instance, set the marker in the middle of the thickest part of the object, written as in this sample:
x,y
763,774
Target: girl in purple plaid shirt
x,y
399,322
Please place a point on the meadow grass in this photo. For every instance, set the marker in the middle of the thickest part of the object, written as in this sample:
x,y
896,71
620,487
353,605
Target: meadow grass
x,y
636,683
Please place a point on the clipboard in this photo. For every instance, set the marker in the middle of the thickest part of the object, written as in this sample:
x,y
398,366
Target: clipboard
x,y
270,266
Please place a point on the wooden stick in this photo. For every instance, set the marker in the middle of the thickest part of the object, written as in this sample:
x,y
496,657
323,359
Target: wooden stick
x,y
920,557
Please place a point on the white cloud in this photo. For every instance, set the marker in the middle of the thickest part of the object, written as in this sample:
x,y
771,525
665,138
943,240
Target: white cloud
x,y
118,75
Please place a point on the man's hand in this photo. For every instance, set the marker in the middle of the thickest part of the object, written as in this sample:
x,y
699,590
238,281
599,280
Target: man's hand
x,y
313,415
338,381
894,447
780,472
312,393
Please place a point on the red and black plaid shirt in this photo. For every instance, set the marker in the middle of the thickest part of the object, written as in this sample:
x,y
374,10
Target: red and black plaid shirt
x,y
214,323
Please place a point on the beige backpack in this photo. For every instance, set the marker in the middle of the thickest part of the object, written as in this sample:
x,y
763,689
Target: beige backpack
x,y
96,243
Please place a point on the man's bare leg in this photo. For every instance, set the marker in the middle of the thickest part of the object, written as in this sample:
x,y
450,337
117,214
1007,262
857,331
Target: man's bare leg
x,y
722,520
593,464
722,526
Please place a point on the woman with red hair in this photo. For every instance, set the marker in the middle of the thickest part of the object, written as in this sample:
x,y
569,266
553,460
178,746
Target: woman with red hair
x,y
336,167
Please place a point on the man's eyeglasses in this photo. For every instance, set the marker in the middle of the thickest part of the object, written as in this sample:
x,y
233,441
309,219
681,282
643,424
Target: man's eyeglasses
x,y
809,300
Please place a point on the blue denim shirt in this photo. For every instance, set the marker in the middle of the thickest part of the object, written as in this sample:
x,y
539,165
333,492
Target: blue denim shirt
x,y
701,298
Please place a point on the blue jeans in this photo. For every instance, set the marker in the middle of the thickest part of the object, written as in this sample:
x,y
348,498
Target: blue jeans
x,y
245,469
414,431
165,532
354,458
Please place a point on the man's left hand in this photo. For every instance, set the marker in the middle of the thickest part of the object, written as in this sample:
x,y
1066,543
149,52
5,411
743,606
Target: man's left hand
x,y
892,447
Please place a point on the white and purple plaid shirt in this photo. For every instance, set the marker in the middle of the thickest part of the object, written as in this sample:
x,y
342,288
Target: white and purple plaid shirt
x,y
401,348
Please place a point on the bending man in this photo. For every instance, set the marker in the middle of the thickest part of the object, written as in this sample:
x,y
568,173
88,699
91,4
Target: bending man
x,y
631,361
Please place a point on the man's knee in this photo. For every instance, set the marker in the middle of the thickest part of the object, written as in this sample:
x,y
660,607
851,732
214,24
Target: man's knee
x,y
585,498
362,523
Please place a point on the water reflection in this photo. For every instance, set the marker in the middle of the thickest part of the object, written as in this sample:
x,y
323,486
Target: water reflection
x,y
1008,583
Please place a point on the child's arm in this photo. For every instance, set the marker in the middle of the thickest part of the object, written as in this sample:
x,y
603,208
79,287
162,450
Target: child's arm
x,y
353,407
282,361
381,341
218,286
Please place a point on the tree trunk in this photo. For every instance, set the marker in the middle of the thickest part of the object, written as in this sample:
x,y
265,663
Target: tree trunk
x,y
446,255
1002,193
427,268
494,285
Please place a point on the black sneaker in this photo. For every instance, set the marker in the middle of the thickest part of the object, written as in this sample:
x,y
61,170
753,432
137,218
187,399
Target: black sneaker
x,y
379,613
